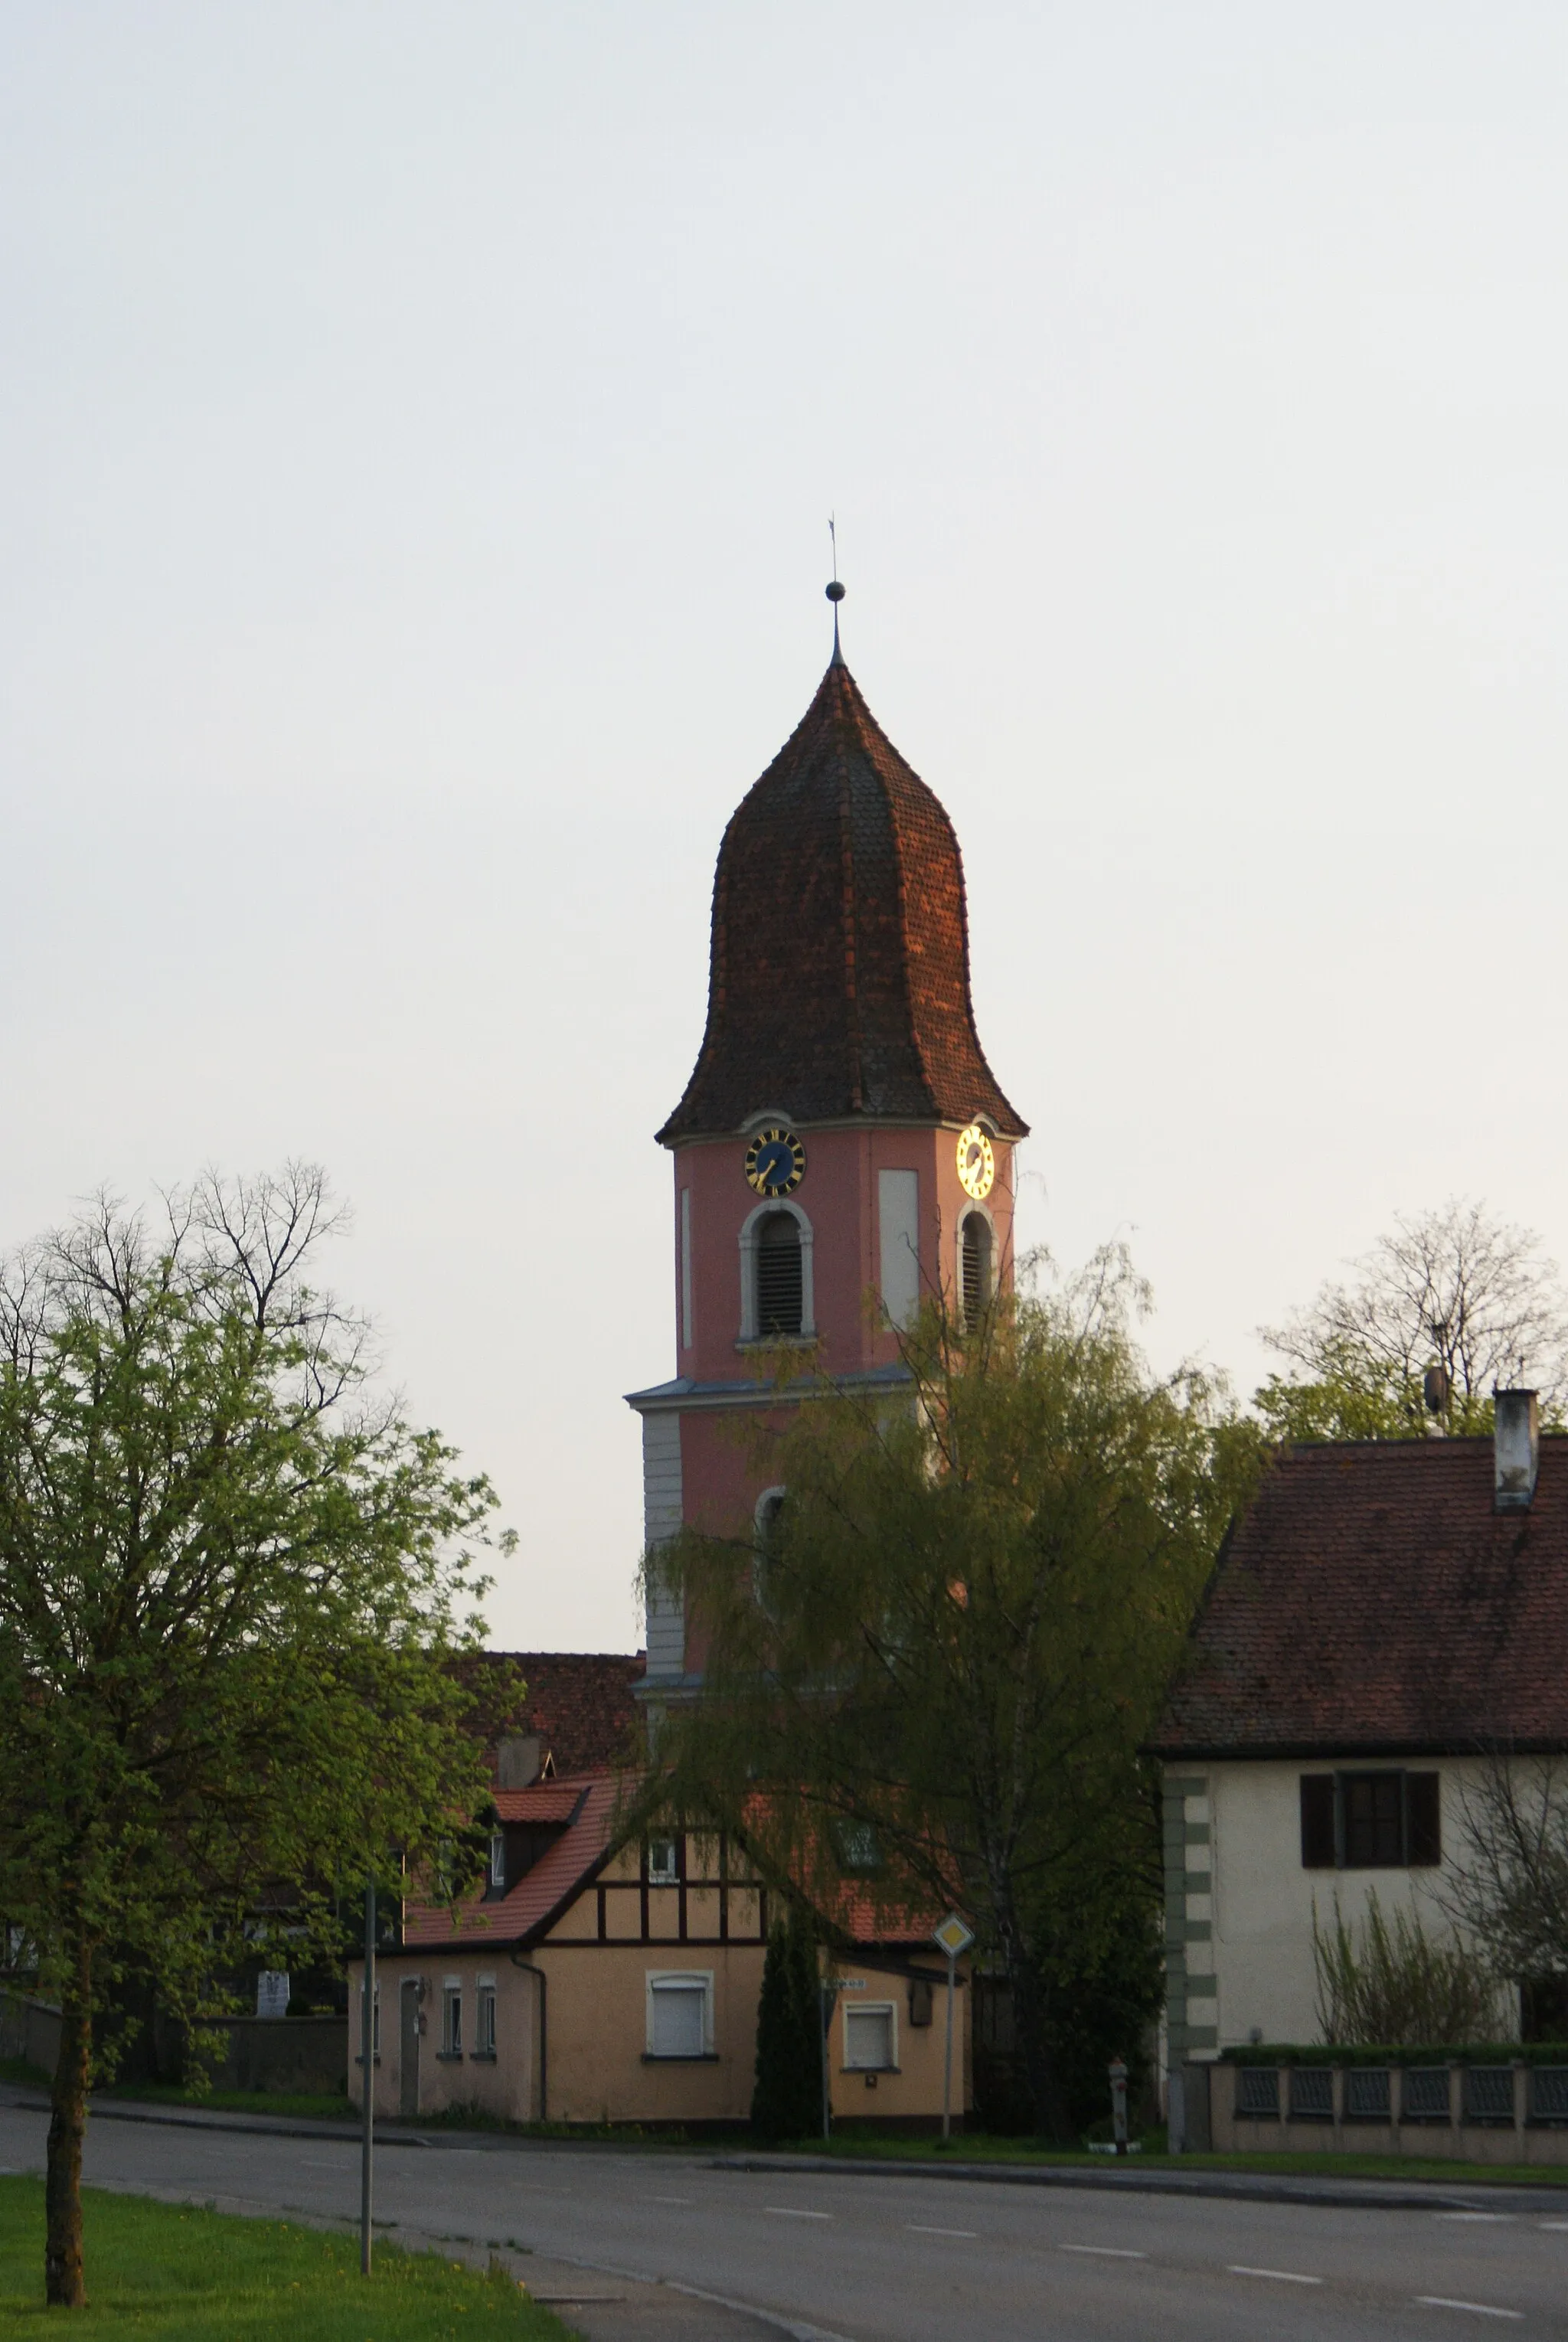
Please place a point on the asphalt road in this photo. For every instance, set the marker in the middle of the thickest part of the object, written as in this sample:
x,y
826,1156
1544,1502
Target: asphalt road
x,y
879,2260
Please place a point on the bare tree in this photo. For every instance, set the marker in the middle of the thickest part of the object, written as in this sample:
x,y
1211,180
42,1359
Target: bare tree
x,y
1448,1306
1510,1887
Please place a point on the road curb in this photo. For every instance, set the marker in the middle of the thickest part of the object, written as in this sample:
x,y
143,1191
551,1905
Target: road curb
x,y
196,2119
1236,2187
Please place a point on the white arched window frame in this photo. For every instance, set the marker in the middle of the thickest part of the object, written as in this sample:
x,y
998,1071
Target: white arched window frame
x,y
749,1232
976,1211
765,1511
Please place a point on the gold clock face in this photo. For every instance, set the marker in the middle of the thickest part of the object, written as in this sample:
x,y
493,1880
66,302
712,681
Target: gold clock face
x,y
775,1162
976,1162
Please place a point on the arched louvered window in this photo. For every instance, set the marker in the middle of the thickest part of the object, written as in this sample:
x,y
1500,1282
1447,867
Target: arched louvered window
x,y
780,1285
975,1269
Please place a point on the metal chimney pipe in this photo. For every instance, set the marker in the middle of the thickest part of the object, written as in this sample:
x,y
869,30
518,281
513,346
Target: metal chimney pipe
x,y
1516,1449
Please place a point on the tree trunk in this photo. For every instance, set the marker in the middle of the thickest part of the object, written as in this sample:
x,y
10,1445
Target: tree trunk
x,y
62,2280
1052,2120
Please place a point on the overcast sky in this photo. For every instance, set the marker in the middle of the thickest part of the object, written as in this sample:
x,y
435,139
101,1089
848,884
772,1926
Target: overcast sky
x,y
417,429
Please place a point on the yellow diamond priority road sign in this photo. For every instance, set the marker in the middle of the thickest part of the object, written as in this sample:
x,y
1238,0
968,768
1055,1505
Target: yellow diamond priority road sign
x,y
953,1936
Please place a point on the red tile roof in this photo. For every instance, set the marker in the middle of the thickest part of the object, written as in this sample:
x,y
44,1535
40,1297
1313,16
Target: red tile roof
x,y
1372,1602
542,1801
839,979
556,1878
580,1702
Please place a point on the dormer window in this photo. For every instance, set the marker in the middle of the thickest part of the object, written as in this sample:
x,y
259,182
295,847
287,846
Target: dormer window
x,y
975,1270
498,1859
781,1287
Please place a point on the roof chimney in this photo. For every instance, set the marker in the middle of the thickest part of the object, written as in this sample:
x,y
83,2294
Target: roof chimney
x,y
1516,1449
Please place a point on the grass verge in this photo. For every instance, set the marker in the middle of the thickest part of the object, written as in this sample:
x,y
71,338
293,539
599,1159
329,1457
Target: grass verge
x,y
169,2273
981,2150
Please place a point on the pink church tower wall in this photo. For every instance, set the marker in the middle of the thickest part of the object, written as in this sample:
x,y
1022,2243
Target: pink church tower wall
x,y
839,1013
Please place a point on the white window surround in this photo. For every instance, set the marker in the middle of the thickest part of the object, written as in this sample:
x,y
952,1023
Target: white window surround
x,y
766,1506
750,1226
663,1862
451,2017
870,2037
676,2029
975,1212
898,1244
497,1858
763,1513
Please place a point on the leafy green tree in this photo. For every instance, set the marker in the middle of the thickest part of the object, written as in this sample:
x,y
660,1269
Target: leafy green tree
x,y
230,1586
1447,1307
956,1634
786,2102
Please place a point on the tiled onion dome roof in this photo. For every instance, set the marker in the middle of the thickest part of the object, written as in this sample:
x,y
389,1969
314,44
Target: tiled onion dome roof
x,y
839,980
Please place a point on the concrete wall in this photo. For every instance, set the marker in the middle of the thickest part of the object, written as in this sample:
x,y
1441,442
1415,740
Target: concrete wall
x,y
1520,2139
29,2028
1240,1904
283,2053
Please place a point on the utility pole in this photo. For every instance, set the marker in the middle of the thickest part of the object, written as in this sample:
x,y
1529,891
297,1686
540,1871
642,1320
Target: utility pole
x,y
367,2062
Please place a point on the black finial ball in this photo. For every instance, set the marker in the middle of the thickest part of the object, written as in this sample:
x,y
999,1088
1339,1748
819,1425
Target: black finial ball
x,y
835,591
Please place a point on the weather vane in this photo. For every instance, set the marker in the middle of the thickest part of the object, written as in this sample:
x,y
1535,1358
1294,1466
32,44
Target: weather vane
x,y
834,591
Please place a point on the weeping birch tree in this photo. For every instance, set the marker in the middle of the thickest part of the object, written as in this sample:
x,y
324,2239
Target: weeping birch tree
x,y
949,1642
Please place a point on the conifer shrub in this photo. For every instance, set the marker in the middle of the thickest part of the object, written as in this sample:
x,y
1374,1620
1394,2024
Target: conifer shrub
x,y
786,2102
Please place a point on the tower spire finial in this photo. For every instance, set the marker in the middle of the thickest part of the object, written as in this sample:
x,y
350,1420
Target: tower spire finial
x,y
834,591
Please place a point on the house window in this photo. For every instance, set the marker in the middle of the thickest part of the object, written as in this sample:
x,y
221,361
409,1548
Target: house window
x,y
781,1289
1386,1820
663,1862
869,2040
485,2018
680,2013
974,1269
497,1858
452,2018
858,1848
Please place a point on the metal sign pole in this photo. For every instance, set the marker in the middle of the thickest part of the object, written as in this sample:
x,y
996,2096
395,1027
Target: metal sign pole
x,y
952,1938
947,2055
367,2085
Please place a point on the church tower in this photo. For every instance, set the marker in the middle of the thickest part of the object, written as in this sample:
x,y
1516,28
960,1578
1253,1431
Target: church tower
x,y
841,1134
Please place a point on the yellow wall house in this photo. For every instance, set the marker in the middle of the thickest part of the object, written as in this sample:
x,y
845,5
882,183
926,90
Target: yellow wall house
x,y
602,1981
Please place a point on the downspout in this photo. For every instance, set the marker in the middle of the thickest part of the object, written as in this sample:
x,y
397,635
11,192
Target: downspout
x,y
528,1969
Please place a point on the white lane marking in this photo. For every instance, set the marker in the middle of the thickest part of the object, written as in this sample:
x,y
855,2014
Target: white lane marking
x,y
666,2199
1472,2215
1106,2252
1282,2276
1552,2224
789,2212
1476,2308
918,2229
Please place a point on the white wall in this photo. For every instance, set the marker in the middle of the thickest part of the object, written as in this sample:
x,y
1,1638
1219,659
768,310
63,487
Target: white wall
x,y
1259,1899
